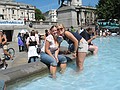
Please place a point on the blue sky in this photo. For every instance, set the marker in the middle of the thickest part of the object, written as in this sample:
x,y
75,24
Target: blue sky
x,y
45,5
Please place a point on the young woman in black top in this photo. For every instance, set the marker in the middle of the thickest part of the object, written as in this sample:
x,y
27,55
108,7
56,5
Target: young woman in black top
x,y
80,45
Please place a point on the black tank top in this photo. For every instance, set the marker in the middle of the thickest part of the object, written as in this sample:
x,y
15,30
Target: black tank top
x,y
76,35
32,43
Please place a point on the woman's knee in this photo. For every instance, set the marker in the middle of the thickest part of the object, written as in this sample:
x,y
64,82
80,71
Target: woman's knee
x,y
96,47
54,63
62,59
48,60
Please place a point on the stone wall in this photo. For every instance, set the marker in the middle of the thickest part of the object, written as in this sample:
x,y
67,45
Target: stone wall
x,y
16,29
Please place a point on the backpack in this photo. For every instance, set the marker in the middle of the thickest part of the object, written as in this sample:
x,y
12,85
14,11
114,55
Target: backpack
x,y
32,43
38,49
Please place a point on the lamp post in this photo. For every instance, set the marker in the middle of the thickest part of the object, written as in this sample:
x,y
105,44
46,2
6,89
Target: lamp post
x,y
28,12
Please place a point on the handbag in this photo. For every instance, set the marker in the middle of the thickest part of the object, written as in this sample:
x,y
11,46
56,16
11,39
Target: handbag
x,y
38,49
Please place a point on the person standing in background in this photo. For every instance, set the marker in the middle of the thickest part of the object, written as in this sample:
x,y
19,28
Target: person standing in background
x,y
32,43
37,35
20,42
26,35
72,29
81,30
46,33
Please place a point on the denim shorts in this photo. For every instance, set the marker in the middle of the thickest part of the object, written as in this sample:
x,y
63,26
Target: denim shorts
x,y
47,59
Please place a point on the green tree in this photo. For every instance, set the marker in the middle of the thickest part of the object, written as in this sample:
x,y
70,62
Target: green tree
x,y
108,9
39,15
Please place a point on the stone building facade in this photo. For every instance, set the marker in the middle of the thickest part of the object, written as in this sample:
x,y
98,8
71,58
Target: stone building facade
x,y
51,15
77,15
70,14
10,10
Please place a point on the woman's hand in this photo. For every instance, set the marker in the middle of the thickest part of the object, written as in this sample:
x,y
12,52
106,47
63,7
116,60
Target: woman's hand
x,y
94,36
74,54
56,59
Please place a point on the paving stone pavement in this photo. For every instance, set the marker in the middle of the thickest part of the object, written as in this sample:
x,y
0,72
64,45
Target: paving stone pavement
x,y
20,58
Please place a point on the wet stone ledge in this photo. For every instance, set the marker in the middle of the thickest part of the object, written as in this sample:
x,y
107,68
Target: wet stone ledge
x,y
23,71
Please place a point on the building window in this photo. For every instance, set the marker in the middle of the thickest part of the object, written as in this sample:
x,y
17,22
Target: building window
x,y
22,13
8,10
13,12
3,10
32,15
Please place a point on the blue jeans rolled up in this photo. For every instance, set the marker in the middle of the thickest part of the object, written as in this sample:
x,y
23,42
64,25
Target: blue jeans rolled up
x,y
47,59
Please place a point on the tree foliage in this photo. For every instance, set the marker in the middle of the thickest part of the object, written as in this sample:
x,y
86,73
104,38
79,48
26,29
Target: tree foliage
x,y
39,15
108,9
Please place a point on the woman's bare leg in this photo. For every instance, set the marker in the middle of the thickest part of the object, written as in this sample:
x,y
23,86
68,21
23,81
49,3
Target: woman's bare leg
x,y
80,60
53,71
94,48
63,68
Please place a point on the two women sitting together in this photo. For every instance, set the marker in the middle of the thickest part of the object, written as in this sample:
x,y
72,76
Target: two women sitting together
x,y
50,50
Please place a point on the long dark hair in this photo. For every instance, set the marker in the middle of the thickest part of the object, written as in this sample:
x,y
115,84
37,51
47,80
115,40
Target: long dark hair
x,y
53,27
32,33
46,32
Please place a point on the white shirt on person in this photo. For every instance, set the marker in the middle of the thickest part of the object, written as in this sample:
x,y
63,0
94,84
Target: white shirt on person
x,y
32,49
53,47
33,38
81,30
37,36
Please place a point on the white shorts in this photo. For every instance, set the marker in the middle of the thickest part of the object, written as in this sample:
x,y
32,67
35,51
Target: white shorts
x,y
83,46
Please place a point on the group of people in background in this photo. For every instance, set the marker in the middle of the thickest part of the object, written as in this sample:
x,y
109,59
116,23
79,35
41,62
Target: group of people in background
x,y
29,41
105,32
80,42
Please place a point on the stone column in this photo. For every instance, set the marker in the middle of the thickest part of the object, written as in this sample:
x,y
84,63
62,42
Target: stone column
x,y
10,13
67,15
81,18
7,14
17,12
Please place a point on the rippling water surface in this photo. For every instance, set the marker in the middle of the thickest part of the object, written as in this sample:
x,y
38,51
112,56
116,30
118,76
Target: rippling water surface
x,y
101,72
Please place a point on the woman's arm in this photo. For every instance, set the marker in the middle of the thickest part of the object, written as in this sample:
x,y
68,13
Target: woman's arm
x,y
0,39
27,42
90,40
56,53
37,40
47,50
72,38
